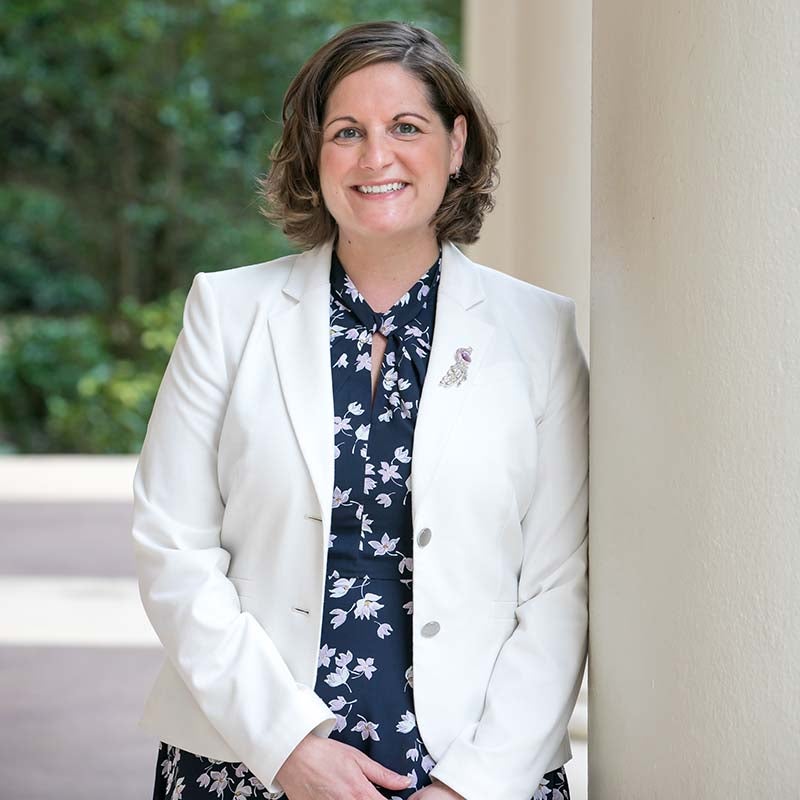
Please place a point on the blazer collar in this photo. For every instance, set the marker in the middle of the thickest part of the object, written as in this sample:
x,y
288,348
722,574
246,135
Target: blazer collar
x,y
460,278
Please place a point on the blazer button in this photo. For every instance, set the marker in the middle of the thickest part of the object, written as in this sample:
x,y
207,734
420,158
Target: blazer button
x,y
430,629
424,537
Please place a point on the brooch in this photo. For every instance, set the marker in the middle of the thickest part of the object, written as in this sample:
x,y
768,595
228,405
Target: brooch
x,y
457,371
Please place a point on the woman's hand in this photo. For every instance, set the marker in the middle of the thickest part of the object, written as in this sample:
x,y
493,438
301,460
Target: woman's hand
x,y
324,769
436,791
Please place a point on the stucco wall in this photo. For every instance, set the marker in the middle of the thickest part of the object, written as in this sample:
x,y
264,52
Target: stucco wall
x,y
695,415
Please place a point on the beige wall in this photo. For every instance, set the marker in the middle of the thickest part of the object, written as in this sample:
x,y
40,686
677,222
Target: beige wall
x,y
695,452
531,62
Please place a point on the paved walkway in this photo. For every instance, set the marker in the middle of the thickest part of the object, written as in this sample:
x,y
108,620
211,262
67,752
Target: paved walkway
x,y
77,653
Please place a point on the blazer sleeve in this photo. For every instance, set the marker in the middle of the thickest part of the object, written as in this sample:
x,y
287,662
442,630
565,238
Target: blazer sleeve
x,y
537,676
225,657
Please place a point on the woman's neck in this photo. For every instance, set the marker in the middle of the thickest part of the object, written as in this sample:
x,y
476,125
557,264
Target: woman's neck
x,y
384,271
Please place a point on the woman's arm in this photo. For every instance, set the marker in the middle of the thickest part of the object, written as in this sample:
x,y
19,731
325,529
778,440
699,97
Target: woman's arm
x,y
537,675
223,654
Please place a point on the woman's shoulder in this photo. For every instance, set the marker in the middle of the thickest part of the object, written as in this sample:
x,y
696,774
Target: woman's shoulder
x,y
516,290
520,302
274,281
503,289
238,295
251,280
533,318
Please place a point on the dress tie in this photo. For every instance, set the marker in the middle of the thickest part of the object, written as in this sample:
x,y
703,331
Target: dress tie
x,y
408,328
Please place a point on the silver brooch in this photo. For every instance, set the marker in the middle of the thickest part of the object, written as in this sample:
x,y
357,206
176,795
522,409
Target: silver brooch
x,y
457,371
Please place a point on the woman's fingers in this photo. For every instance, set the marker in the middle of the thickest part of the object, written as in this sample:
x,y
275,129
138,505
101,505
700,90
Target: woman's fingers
x,y
324,769
383,776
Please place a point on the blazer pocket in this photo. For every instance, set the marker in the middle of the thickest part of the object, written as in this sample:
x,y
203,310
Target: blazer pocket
x,y
503,609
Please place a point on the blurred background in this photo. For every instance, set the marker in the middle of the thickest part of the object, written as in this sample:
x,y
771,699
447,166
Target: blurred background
x,y
131,136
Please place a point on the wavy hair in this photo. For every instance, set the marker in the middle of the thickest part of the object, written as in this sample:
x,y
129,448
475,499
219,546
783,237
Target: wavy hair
x,y
290,191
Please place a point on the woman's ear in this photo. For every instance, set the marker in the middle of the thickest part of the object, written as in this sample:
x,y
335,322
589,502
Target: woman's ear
x,y
458,139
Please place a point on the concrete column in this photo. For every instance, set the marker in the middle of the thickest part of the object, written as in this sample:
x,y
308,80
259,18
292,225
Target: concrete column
x,y
695,467
531,63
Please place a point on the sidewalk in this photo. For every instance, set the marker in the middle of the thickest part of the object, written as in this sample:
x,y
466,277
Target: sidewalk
x,y
77,652
66,478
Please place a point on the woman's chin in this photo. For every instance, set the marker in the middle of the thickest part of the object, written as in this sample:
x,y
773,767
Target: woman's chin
x,y
384,229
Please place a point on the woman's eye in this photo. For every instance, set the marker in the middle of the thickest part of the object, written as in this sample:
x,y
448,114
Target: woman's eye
x,y
414,128
344,130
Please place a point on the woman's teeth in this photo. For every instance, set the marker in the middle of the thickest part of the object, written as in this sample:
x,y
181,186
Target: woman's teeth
x,y
386,187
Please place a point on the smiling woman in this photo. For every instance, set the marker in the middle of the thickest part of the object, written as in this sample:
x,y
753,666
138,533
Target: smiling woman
x,y
324,101
383,176
338,624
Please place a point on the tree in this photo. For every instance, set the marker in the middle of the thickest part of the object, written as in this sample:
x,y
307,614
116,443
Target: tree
x,y
132,133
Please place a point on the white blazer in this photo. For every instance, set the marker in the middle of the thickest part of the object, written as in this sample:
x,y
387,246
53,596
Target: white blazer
x,y
232,512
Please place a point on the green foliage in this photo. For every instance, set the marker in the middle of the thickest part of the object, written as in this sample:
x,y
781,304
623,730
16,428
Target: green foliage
x,y
134,130
132,135
84,384
35,270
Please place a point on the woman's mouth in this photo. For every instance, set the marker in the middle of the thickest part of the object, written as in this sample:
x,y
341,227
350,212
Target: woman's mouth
x,y
388,189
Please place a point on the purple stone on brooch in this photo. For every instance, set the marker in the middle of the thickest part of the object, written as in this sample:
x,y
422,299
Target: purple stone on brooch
x,y
457,372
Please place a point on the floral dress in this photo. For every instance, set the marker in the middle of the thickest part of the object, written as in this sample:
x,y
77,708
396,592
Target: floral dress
x,y
364,667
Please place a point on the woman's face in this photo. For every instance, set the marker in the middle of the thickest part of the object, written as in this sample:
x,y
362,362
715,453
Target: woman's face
x,y
378,129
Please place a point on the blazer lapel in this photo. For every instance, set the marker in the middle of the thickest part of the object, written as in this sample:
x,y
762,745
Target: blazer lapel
x,y
456,325
301,341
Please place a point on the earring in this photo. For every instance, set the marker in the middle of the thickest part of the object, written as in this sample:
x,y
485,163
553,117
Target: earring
x,y
454,175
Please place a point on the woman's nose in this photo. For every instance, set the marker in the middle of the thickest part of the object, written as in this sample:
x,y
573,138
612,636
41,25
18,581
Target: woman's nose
x,y
375,153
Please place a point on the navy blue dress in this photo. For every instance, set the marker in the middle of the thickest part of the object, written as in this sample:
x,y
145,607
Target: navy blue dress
x,y
364,670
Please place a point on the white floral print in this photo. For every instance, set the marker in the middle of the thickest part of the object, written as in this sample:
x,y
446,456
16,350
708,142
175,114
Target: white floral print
x,y
365,653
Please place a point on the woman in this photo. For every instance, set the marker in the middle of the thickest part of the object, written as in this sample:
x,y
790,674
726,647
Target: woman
x,y
278,521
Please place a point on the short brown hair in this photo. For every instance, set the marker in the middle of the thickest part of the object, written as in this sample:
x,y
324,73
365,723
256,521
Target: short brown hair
x,y
291,189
